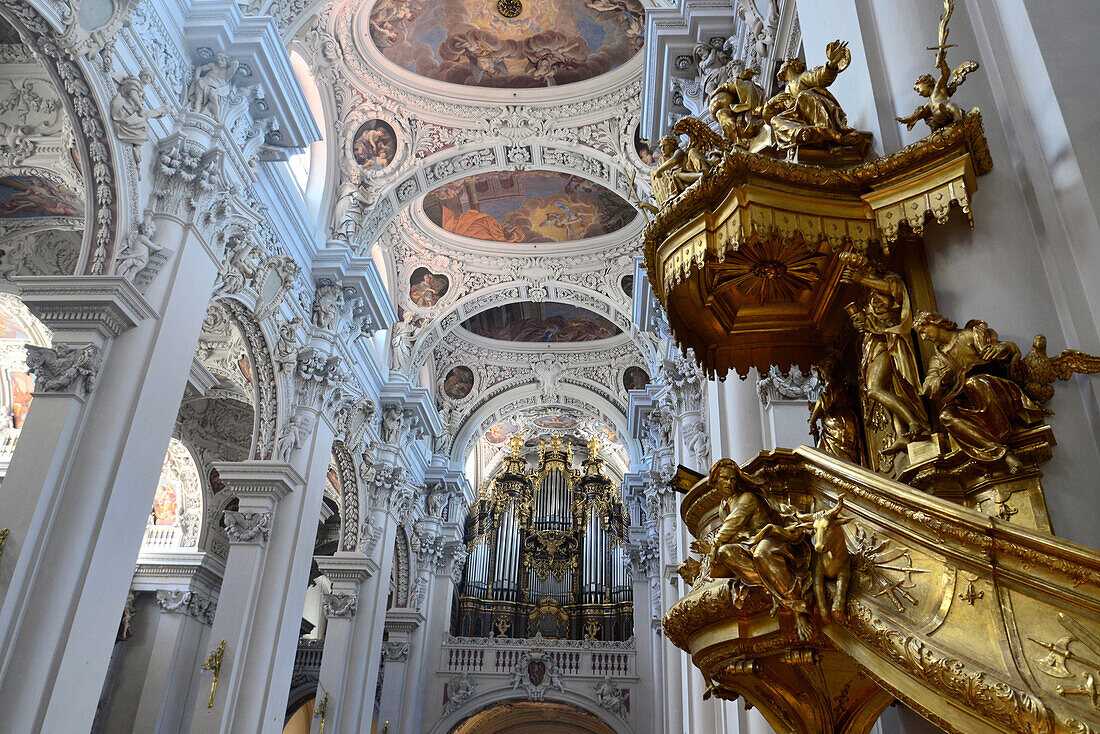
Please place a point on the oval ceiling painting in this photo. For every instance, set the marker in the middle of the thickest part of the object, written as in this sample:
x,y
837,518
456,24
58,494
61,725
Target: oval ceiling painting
x,y
527,206
540,322
511,45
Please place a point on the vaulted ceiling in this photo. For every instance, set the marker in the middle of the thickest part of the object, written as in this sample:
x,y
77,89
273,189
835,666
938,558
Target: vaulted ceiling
x,y
484,154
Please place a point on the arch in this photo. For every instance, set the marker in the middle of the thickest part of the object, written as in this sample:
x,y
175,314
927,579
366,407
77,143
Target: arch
x,y
349,496
98,149
178,515
265,385
516,290
527,394
490,699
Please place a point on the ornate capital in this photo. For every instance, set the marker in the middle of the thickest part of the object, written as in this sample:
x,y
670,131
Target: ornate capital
x,y
339,605
318,381
64,368
248,527
187,176
395,651
191,603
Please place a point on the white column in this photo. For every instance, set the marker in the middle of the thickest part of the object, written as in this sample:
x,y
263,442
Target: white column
x,y
172,680
427,640
81,482
395,671
646,699
263,593
356,710
346,571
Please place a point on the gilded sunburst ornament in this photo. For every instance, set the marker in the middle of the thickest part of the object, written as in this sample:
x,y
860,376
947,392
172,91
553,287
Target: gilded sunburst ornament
x,y
769,269
509,8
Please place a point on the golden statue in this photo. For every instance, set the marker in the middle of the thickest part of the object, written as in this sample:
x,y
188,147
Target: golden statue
x,y
939,111
758,545
805,112
685,166
737,105
888,367
980,410
1036,372
838,434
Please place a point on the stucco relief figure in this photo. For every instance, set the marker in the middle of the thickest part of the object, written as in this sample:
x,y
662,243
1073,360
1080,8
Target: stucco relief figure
x,y
327,305
403,335
130,116
832,421
137,250
888,367
758,545
805,112
211,84
980,411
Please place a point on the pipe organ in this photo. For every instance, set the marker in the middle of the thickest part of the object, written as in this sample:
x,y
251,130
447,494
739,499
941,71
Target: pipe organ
x,y
546,551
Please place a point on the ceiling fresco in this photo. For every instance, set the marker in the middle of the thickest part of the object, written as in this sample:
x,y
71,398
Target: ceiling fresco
x,y
527,206
34,196
547,43
540,322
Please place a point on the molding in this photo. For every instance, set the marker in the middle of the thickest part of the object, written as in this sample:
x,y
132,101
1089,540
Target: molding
x,y
106,305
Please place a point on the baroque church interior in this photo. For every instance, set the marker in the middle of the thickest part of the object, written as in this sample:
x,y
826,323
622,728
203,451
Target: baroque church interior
x,y
547,366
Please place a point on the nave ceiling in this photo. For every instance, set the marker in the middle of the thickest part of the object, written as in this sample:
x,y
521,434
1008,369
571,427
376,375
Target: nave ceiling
x,y
495,204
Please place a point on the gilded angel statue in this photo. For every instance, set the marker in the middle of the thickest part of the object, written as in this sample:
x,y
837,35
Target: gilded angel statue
x,y
685,166
939,111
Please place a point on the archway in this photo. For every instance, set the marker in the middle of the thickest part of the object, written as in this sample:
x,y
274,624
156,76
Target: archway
x,y
529,717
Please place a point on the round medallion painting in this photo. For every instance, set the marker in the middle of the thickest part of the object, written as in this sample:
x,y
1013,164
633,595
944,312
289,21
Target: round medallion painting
x,y
458,382
375,145
635,378
426,288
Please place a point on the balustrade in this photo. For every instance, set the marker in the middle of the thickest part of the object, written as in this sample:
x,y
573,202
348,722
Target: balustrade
x,y
574,658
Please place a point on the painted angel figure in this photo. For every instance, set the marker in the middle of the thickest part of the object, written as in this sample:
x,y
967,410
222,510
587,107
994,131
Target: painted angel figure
x,y
939,111
564,220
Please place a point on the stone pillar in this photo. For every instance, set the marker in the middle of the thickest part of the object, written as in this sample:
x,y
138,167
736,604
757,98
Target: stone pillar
x,y
400,627
356,710
439,580
644,709
172,680
83,476
346,571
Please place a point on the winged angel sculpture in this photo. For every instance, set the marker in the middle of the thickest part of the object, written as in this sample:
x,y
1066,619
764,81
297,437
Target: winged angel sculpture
x,y
939,111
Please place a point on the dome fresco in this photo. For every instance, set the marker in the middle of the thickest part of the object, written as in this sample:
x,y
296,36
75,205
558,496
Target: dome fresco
x,y
540,322
547,43
527,206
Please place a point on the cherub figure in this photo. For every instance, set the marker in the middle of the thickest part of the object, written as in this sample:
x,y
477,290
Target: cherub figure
x,y
939,111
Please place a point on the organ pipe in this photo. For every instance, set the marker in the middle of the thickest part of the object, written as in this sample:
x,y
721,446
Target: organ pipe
x,y
546,552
